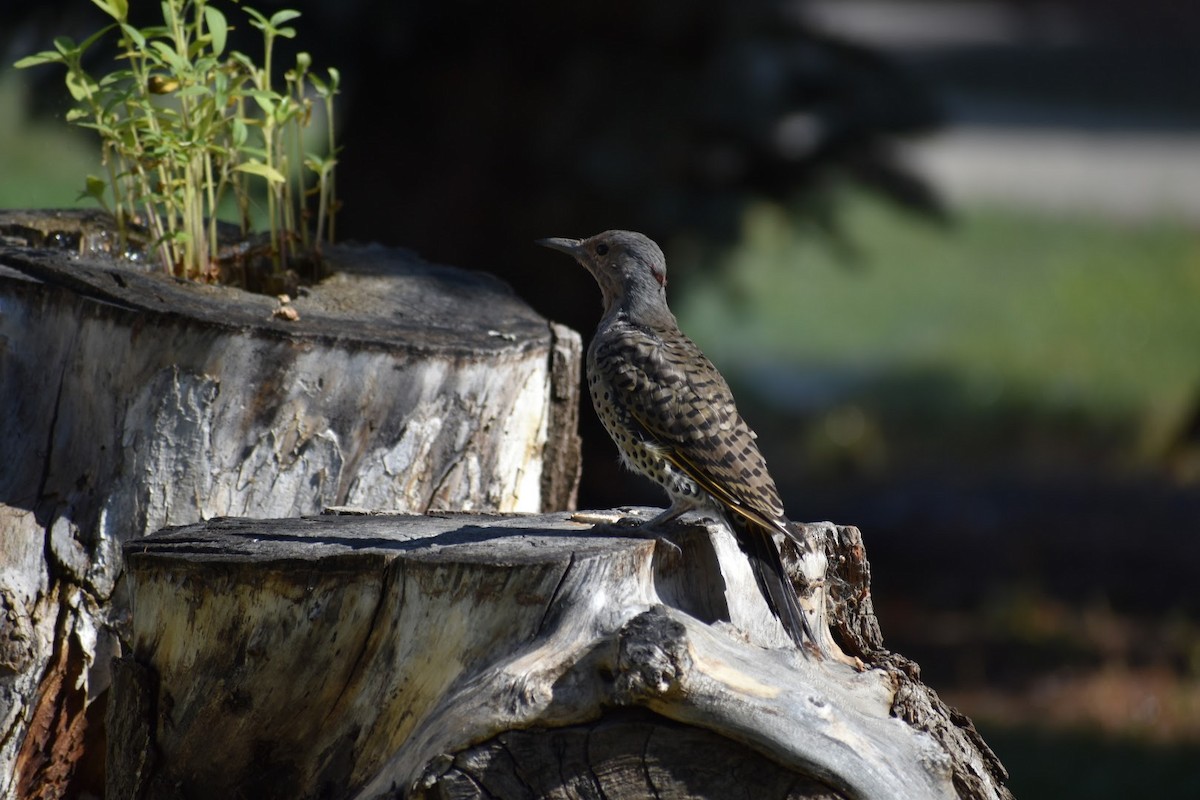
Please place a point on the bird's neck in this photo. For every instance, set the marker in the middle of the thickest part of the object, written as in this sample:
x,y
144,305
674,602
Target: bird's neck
x,y
641,315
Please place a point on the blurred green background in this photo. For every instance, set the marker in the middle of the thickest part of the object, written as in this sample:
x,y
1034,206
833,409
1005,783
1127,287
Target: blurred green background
x,y
998,381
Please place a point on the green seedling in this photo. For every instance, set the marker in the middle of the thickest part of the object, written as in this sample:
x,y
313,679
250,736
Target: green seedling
x,y
185,124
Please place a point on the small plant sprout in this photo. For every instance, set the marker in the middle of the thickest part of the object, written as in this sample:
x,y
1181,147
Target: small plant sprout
x,y
187,125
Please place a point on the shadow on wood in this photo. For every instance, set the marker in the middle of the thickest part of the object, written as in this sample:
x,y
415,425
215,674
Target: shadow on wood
x,y
512,656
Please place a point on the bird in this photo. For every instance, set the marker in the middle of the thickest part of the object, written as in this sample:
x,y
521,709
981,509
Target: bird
x,y
672,415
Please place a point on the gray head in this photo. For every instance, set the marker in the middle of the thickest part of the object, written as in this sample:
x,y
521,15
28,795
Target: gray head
x,y
630,268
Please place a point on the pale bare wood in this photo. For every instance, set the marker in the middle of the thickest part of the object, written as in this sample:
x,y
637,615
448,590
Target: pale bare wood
x,y
379,656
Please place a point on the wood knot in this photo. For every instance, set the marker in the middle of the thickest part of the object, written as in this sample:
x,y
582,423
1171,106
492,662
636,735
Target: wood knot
x,y
652,657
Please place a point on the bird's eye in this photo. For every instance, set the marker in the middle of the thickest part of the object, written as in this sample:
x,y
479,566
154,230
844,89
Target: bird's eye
x,y
602,249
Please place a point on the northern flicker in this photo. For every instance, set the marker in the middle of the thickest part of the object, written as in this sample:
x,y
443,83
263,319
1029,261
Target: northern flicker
x,y
672,415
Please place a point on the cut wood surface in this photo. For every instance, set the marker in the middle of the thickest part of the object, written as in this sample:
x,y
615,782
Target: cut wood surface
x,y
513,656
130,402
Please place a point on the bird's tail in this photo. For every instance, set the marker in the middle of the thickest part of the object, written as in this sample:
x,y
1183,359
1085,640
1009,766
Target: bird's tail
x,y
759,546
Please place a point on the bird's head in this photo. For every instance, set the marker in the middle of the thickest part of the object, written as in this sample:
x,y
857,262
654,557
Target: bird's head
x,y
630,268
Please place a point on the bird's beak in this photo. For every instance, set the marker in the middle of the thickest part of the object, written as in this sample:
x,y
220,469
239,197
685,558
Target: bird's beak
x,y
572,247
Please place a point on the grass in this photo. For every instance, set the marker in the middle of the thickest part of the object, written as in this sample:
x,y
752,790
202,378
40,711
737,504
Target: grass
x,y
43,161
1002,312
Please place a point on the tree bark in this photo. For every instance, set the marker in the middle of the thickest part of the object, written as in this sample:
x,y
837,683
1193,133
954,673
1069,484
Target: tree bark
x,y
131,402
517,657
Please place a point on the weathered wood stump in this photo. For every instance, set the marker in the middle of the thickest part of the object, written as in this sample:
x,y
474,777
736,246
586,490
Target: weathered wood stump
x,y
517,657
130,401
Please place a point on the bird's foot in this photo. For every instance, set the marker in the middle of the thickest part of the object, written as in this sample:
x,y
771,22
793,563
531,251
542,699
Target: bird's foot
x,y
621,517
634,526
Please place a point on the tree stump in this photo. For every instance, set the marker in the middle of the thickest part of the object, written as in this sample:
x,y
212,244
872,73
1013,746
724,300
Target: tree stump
x,y
476,656
130,401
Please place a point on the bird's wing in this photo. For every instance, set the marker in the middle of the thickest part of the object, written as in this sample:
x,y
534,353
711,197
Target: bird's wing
x,y
686,411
